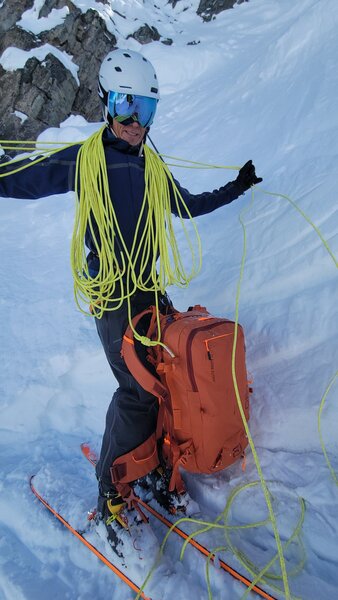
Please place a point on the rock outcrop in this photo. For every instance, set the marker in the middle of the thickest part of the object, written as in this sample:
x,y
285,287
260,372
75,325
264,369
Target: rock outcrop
x,y
45,92
44,89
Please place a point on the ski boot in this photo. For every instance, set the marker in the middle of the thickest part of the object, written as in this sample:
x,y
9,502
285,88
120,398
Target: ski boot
x,y
112,512
157,483
126,529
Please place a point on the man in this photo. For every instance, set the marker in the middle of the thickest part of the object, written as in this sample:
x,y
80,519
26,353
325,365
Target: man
x,y
129,92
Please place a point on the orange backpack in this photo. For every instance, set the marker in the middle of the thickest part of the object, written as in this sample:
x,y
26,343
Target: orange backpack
x,y
199,416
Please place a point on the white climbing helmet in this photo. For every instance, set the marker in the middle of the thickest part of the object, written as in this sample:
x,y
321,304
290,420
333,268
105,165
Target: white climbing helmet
x,y
128,87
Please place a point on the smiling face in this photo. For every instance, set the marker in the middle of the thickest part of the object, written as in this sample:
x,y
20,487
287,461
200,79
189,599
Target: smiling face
x,y
132,133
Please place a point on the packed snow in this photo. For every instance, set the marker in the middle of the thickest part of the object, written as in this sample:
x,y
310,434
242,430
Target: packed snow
x,y
260,82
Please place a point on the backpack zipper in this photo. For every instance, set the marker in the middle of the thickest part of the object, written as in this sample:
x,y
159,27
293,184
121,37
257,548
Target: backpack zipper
x,y
189,353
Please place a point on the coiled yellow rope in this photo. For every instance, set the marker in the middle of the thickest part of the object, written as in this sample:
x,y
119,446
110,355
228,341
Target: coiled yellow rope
x,y
122,271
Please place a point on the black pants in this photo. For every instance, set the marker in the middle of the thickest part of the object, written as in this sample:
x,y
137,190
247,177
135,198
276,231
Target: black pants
x,y
132,414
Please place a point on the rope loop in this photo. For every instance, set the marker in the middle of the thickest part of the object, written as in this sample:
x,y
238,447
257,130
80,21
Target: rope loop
x,y
118,279
125,270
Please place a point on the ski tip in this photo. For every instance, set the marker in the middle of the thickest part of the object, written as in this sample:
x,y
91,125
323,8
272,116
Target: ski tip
x,y
89,453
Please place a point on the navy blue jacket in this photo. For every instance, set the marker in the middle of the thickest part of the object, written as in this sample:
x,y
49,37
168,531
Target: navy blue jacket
x,y
56,175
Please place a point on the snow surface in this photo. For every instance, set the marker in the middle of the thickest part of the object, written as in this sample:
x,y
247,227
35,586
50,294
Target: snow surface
x,y
31,22
20,115
260,82
14,58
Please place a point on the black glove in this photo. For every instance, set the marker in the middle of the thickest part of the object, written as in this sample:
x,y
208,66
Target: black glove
x,y
247,176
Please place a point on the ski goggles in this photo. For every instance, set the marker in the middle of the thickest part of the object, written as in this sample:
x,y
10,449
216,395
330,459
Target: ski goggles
x,y
130,106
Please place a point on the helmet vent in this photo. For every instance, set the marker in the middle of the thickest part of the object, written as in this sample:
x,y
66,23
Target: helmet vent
x,y
126,55
154,90
118,69
109,59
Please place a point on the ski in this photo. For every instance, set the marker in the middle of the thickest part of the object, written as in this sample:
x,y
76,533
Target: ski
x,y
92,458
80,536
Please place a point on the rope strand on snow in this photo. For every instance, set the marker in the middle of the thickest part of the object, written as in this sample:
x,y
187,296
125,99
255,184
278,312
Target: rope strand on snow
x,y
280,554
307,218
272,518
259,575
321,408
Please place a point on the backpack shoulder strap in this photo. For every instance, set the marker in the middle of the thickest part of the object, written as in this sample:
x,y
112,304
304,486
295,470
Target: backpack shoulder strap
x,y
148,381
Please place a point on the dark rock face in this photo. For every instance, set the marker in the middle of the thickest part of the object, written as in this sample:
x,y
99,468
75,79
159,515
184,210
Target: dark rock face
x,y
11,11
146,34
46,91
19,38
207,9
85,37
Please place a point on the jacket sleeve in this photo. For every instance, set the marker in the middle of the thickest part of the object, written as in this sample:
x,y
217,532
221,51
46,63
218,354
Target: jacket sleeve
x,y
201,204
53,175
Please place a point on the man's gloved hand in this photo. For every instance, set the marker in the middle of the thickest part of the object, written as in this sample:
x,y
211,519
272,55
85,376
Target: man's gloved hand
x,y
247,176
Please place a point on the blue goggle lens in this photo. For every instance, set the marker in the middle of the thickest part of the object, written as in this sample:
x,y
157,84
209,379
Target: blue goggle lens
x,y
125,106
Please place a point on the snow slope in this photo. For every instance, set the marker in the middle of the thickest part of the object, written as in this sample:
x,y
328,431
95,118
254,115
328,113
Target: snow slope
x,y
260,82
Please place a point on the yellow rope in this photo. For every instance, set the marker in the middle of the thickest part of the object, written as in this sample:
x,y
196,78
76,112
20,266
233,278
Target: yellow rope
x,y
307,218
35,157
245,423
192,164
265,575
122,271
158,239
268,577
28,143
209,525
327,247
321,407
